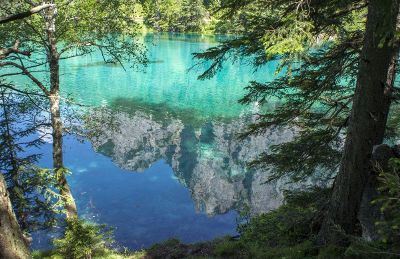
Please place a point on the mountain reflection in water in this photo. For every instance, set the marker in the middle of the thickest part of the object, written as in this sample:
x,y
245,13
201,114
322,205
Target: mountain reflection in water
x,y
179,131
206,156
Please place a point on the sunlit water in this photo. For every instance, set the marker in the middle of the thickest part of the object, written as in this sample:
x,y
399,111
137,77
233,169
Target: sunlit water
x,y
170,165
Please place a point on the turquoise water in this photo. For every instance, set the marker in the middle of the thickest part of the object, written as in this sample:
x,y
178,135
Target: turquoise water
x,y
170,165
166,81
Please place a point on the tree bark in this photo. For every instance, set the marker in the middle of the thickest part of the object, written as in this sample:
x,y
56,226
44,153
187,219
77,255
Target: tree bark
x,y
13,244
23,15
5,52
58,163
368,120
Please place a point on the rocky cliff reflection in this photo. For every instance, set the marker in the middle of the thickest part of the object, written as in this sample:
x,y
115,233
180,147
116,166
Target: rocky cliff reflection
x,y
206,155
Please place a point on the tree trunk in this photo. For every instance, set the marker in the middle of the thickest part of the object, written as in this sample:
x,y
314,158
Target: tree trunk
x,y
13,244
58,164
368,119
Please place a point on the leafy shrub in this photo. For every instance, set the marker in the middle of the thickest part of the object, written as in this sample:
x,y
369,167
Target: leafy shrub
x,y
287,232
83,240
228,248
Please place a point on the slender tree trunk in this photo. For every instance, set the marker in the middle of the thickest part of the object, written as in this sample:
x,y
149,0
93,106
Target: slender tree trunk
x,y
13,244
368,120
58,164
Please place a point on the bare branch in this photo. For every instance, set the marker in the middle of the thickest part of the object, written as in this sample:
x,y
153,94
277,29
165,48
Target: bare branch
x,y
14,50
28,74
27,93
23,15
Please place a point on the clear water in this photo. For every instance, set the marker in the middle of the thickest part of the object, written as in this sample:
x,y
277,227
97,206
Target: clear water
x,y
170,165
166,81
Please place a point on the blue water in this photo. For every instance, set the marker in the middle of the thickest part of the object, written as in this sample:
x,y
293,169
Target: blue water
x,y
142,208
171,166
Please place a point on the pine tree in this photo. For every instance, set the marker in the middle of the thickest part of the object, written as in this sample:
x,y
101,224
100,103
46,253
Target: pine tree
x,y
29,187
330,55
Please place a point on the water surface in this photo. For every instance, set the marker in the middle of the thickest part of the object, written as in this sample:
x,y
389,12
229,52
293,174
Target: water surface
x,y
165,161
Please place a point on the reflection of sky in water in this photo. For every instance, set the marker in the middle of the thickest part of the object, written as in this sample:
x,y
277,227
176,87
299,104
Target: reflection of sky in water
x,y
144,208
186,169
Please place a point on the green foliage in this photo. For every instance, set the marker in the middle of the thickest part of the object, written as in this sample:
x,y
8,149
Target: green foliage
x,y
235,249
108,254
193,15
30,187
161,15
389,200
331,252
287,232
290,224
82,27
290,231
175,15
173,248
229,248
83,240
285,226
77,28
370,250
317,44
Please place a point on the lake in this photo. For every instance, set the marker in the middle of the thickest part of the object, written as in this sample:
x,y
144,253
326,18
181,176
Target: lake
x,y
165,161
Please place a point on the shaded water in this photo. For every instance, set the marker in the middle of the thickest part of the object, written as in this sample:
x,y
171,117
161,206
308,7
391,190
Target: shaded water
x,y
170,164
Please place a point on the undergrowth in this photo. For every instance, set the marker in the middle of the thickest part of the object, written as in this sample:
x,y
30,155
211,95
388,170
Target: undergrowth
x,y
287,232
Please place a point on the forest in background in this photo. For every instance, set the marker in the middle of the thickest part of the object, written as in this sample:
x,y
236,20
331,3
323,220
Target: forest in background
x,y
185,16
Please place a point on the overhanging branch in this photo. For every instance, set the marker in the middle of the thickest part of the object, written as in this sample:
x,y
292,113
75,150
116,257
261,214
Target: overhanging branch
x,y
28,74
14,50
23,15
